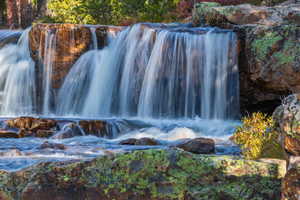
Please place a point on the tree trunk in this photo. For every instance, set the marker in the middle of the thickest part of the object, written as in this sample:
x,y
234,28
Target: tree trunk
x,y
12,13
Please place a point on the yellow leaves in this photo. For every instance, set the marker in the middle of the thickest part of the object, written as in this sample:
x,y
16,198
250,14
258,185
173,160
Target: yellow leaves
x,y
255,134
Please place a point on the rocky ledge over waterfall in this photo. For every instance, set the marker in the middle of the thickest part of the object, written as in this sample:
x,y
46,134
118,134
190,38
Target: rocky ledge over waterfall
x,y
149,175
269,46
70,42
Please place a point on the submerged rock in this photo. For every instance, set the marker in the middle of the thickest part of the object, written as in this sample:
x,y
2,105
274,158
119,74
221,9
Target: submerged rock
x,y
198,146
94,127
9,134
70,130
149,175
142,141
49,145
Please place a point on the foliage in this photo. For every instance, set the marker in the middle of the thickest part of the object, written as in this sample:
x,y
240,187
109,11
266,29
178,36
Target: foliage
x,y
111,11
257,137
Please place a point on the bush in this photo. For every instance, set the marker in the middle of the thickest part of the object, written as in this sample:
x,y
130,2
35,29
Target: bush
x,y
257,137
112,11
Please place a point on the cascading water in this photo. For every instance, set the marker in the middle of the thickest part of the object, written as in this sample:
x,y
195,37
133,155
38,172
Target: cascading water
x,y
17,78
152,72
47,67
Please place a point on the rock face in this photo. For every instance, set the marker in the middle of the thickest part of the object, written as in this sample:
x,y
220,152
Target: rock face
x,y
287,122
71,42
287,118
269,49
149,175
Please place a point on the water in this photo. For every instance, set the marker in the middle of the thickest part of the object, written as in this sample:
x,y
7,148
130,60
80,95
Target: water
x,y
160,73
17,79
167,82
49,54
16,154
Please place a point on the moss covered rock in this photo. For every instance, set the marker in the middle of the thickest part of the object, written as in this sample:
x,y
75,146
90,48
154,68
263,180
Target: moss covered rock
x,y
149,174
269,55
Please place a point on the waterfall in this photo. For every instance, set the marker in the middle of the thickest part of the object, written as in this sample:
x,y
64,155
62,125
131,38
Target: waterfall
x,y
49,53
157,71
17,78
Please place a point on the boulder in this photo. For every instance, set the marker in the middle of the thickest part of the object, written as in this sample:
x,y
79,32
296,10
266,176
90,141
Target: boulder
x,y
287,118
142,141
198,146
150,175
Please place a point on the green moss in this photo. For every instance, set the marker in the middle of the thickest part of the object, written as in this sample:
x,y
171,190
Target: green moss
x,y
263,45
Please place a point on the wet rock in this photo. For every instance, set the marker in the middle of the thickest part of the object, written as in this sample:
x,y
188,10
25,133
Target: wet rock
x,y
198,146
44,133
287,118
69,131
94,127
31,124
171,174
8,134
142,141
48,145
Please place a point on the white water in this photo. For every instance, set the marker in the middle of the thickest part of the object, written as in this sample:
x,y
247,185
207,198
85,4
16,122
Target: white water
x,y
17,78
49,53
150,72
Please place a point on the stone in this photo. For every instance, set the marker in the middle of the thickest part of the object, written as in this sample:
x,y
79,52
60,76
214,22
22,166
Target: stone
x,y
48,145
198,146
148,174
141,141
287,123
8,134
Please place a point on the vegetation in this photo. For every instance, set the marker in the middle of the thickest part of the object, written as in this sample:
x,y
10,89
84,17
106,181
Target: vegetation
x,y
257,137
112,11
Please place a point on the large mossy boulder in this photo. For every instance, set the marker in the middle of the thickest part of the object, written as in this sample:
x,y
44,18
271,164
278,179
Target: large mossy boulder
x,y
149,175
269,49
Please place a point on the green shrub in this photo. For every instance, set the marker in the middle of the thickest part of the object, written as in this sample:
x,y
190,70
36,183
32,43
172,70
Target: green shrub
x,y
112,11
257,137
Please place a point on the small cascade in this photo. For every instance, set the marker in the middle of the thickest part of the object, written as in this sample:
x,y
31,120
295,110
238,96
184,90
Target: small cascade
x,y
94,37
17,78
160,72
49,53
